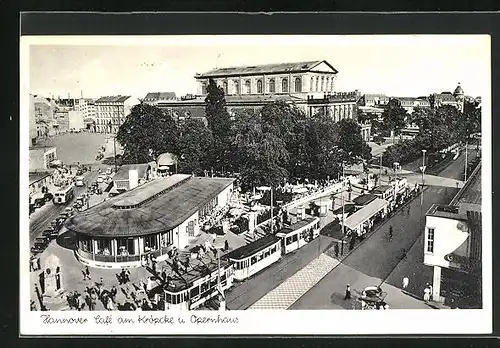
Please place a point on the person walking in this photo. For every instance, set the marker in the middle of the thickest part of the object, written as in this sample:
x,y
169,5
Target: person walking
x,y
406,281
86,273
390,232
427,294
347,292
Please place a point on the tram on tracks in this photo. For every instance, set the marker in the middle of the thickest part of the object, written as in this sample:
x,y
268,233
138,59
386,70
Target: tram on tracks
x,y
260,254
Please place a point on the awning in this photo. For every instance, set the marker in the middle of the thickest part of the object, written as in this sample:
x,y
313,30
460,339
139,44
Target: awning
x,y
163,168
359,217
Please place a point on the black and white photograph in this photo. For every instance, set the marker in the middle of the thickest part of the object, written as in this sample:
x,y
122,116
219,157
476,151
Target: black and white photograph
x,y
228,179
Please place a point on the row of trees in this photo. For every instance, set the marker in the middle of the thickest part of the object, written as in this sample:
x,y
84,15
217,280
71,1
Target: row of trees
x,y
266,147
438,129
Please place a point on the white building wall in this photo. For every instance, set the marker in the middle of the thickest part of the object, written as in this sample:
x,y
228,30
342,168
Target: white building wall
x,y
447,238
224,196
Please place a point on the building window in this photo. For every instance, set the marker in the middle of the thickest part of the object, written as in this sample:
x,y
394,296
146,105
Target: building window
x,y
248,87
236,87
312,84
327,87
298,84
323,83
190,229
430,240
203,88
259,86
284,85
225,87
317,84
272,86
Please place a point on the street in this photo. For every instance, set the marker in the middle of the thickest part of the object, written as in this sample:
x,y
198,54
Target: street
x,y
373,261
41,219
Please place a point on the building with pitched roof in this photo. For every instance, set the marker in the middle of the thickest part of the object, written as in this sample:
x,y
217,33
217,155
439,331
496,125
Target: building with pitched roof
x,y
154,98
151,219
455,99
111,112
303,78
453,235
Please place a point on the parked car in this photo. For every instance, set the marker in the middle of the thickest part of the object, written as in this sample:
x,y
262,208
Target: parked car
x,y
109,171
50,233
48,196
39,202
32,208
100,179
40,244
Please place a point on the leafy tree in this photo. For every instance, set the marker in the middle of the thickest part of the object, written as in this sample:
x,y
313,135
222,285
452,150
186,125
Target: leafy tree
x,y
261,154
394,118
351,141
219,122
193,146
146,133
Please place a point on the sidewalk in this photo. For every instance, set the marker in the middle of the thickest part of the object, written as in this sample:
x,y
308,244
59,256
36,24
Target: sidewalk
x,y
297,285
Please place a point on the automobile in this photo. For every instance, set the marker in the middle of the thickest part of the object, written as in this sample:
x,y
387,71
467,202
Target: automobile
x,y
64,215
79,181
48,196
39,202
40,244
109,171
32,208
100,179
50,233
69,210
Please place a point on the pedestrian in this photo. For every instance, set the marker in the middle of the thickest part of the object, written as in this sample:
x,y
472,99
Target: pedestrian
x,y
32,305
390,232
38,265
113,293
408,210
406,281
427,294
430,289
347,293
87,273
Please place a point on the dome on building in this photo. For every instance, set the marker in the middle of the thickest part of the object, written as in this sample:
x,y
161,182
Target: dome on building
x,y
458,90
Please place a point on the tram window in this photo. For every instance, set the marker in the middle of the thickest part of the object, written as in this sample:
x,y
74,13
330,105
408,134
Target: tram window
x,y
195,291
204,287
168,298
260,256
253,260
294,238
213,283
223,277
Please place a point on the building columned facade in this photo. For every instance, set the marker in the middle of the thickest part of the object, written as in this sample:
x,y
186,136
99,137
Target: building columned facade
x,y
112,111
303,78
152,219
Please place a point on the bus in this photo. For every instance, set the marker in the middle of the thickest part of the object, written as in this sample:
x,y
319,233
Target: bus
x,y
64,195
80,181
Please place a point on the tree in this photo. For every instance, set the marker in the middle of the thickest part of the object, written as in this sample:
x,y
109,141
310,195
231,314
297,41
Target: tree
x,y
219,122
261,154
351,141
394,117
193,146
146,133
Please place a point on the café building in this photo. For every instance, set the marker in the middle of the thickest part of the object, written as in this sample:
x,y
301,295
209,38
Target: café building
x,y
151,219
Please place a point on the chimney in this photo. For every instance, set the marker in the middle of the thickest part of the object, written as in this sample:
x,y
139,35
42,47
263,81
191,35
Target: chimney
x,y
133,179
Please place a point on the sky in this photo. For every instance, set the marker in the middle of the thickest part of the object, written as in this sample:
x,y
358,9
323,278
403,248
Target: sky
x,y
393,65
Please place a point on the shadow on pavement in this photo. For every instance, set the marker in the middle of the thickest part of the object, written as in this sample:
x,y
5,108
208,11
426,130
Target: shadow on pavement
x,y
67,240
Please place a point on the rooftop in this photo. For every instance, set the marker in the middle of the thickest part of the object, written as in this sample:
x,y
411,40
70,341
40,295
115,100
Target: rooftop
x,y
113,99
154,96
364,199
472,192
154,207
37,176
251,248
123,172
265,69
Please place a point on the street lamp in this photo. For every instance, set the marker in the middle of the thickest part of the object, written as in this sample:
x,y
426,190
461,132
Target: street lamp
x,y
222,303
423,167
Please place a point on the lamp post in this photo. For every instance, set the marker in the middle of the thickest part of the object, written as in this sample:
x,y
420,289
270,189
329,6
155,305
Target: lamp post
x,y
423,168
465,175
222,302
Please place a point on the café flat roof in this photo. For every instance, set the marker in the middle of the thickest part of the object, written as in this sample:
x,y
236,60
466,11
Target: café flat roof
x,y
154,207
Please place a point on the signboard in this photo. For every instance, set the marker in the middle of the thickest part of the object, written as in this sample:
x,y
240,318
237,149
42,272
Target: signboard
x,y
422,169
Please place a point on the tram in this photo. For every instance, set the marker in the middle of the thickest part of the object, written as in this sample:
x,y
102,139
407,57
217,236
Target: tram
x,y
260,254
254,257
299,234
64,195
190,289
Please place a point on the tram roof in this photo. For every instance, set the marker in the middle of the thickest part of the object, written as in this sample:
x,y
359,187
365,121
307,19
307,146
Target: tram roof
x,y
154,207
253,247
198,269
297,225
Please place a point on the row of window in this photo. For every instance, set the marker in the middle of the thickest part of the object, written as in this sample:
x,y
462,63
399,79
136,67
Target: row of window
x,y
109,108
125,246
195,291
430,240
256,258
318,84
